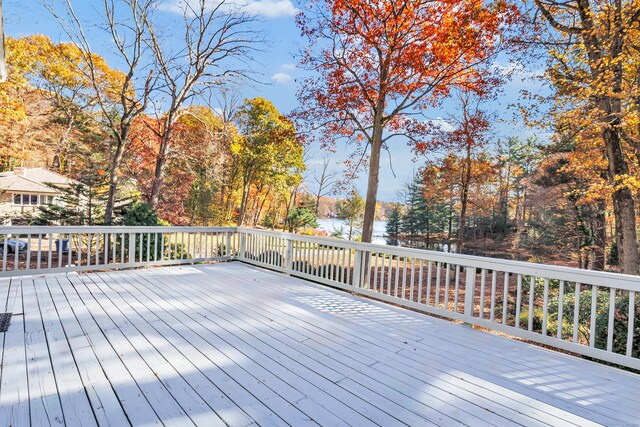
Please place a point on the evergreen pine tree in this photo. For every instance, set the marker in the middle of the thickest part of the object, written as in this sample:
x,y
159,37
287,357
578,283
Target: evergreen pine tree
x,y
81,203
414,221
394,223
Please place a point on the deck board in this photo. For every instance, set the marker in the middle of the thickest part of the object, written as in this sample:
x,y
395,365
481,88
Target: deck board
x,y
231,344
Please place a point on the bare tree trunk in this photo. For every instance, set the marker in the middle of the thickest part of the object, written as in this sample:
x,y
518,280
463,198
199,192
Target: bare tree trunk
x,y
372,184
623,206
114,175
464,197
158,175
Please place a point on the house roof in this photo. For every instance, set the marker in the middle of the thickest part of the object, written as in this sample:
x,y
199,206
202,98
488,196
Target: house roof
x,y
33,180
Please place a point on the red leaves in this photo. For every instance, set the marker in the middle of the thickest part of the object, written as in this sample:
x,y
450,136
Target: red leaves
x,y
401,56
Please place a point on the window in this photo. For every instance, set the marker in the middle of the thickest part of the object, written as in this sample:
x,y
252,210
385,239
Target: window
x,y
31,199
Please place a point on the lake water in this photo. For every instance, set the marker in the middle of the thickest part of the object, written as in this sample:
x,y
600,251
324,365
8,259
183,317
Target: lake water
x,y
330,224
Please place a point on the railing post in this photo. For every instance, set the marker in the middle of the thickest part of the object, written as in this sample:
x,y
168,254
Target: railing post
x,y
228,245
132,249
469,291
243,241
289,257
357,270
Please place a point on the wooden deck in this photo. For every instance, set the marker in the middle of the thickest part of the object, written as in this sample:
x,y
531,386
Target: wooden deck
x,y
230,344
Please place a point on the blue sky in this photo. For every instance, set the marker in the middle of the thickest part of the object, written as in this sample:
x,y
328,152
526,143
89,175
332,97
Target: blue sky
x,y
276,66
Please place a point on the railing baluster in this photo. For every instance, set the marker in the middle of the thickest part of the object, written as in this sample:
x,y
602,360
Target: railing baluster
x,y
612,311
5,251
16,253
532,284
39,258
630,327
592,322
27,261
59,250
122,246
576,313
96,256
457,289
80,247
389,275
50,254
162,246
446,287
437,285
139,242
113,241
494,277
350,270
469,290
560,309
88,249
420,277
375,272
481,304
404,279
518,300
397,274
70,259
428,298
413,277
156,236
505,297
545,306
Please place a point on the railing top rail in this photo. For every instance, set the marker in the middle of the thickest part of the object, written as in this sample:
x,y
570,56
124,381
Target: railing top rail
x,y
44,229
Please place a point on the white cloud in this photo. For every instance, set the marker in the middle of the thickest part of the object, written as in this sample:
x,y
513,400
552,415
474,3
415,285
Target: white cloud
x,y
281,78
517,70
268,8
443,124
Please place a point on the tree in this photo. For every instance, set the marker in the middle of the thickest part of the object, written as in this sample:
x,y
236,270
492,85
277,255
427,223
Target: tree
x,y
213,47
325,181
469,134
517,161
266,155
43,104
127,95
198,151
381,63
394,222
593,51
351,211
300,217
414,221
78,204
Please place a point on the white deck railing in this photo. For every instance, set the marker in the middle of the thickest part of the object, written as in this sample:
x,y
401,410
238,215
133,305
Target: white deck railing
x,y
590,313
48,249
